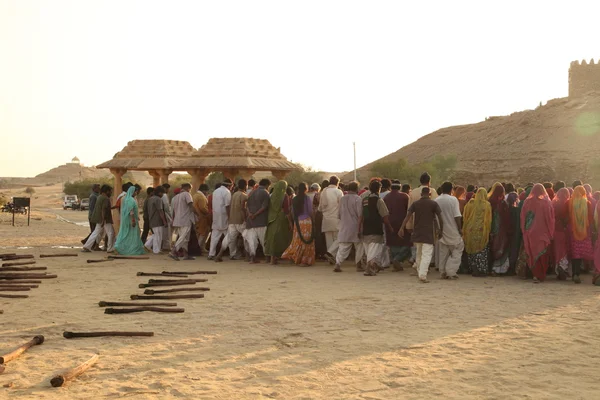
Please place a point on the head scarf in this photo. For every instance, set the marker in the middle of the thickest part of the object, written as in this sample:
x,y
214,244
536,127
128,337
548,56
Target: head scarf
x,y
496,194
276,203
513,199
551,193
477,223
129,204
460,193
588,190
537,224
578,213
596,196
570,191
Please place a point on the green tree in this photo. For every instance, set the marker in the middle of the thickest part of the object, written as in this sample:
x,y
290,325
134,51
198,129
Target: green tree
x,y
30,190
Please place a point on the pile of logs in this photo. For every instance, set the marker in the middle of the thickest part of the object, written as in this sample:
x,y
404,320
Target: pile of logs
x,y
21,274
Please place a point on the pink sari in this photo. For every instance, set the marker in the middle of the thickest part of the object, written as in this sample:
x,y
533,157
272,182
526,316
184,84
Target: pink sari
x,y
537,225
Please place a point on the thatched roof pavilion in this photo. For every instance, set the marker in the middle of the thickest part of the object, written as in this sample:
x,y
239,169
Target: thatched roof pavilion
x,y
231,156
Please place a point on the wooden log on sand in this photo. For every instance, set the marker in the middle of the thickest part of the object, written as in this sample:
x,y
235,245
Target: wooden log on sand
x,y
14,264
147,285
4,286
7,255
19,281
18,257
13,296
182,296
176,280
99,261
26,276
189,289
191,273
59,255
71,335
142,309
37,340
71,374
129,303
13,269
14,289
163,274
129,257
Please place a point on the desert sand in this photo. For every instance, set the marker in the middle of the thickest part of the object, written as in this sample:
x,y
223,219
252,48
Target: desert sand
x,y
295,333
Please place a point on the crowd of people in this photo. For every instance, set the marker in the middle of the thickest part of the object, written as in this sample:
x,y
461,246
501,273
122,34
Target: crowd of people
x,y
530,232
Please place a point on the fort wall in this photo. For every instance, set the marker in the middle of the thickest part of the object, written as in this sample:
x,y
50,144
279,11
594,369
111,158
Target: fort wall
x,y
584,78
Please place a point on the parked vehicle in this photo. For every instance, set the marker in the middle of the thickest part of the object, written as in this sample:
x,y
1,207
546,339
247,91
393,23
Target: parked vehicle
x,y
71,201
9,207
84,205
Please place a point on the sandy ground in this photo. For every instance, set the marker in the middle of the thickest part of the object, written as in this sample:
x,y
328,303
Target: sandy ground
x,y
297,333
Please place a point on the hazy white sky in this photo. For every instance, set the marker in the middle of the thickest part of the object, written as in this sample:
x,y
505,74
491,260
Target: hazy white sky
x,y
82,78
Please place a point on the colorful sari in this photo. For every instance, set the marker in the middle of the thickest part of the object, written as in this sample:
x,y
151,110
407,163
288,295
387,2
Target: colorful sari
x,y
537,225
302,249
476,232
128,241
501,229
278,236
561,237
512,199
580,221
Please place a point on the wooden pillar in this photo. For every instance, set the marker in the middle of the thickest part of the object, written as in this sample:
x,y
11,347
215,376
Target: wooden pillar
x,y
155,177
198,177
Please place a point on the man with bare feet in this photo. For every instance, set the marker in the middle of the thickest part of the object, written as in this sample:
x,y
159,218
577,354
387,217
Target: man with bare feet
x,y
184,220
350,214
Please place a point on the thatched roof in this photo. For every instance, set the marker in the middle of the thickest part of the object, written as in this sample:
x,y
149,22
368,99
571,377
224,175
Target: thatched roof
x,y
224,153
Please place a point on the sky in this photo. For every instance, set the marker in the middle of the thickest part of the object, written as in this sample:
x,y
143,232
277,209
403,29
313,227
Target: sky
x,y
82,78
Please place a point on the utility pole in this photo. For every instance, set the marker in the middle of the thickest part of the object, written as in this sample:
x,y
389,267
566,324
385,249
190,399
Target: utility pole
x,y
354,145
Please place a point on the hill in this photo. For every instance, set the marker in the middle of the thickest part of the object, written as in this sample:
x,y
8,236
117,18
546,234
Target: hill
x,y
559,140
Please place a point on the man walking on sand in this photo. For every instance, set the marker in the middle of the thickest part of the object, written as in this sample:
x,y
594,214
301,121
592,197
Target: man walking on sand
x,y
351,215
451,245
329,205
103,219
425,212
157,219
257,206
184,220
221,200
237,222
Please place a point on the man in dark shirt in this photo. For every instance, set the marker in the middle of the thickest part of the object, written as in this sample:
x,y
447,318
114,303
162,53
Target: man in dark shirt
x,y
425,211
157,220
102,217
258,215
146,229
93,197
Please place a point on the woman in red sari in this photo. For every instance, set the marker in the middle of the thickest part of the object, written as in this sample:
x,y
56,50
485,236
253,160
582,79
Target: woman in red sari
x,y
501,230
561,237
581,219
537,224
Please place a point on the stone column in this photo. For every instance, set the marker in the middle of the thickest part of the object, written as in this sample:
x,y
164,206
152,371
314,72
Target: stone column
x,y
155,177
164,175
246,173
280,174
198,177
231,173
118,174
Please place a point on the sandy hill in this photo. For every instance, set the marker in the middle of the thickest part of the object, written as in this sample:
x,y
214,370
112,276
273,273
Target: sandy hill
x,y
560,140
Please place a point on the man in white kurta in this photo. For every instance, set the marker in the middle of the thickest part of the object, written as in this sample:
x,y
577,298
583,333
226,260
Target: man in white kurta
x,y
221,199
329,206
184,219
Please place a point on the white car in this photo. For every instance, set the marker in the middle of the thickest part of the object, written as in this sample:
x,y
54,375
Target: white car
x,y
69,201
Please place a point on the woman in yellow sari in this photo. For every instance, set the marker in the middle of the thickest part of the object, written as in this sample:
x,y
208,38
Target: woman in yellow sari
x,y
476,233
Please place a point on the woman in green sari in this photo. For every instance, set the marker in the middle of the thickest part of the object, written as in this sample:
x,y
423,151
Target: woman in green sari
x,y
279,233
128,241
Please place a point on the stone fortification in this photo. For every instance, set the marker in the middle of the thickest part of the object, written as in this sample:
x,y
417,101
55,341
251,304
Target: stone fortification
x,y
584,78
